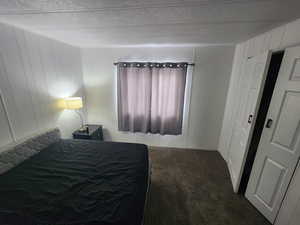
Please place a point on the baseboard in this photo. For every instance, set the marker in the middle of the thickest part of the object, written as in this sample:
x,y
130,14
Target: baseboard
x,y
178,148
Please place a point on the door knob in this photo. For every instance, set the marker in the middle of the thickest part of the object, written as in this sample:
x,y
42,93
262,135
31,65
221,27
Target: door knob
x,y
269,123
250,118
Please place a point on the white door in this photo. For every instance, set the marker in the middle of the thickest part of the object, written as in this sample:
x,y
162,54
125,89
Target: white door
x,y
251,85
279,148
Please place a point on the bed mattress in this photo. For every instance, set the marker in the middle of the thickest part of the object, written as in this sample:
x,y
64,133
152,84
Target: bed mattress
x,y
77,182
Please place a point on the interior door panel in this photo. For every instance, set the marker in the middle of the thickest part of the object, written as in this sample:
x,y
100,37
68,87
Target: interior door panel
x,y
252,83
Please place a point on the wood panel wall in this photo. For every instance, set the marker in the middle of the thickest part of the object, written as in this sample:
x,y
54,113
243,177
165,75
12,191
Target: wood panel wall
x,y
34,73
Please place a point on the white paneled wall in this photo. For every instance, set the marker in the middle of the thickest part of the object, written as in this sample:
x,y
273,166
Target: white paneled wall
x,y
34,73
5,131
276,39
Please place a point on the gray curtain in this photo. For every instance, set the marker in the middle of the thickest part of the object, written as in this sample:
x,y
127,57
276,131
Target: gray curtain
x,y
151,97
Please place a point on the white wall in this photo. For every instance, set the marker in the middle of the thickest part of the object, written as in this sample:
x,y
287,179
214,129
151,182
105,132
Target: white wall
x,y
276,39
289,213
208,93
34,73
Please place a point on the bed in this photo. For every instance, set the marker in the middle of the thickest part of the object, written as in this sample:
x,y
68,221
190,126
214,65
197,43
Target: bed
x,y
50,181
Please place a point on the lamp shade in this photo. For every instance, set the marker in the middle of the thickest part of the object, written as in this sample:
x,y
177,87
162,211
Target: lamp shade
x,y
73,103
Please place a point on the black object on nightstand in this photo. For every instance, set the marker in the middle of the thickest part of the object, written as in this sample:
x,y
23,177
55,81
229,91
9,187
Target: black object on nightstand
x,y
94,132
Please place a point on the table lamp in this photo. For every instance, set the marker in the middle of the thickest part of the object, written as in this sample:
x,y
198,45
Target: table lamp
x,y
75,103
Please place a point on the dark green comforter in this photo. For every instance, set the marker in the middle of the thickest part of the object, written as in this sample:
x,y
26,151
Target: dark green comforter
x,y
77,182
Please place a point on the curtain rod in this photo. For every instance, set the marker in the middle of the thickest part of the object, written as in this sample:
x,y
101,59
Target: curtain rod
x,y
189,64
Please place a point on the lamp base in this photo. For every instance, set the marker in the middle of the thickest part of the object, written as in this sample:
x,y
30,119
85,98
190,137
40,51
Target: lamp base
x,y
84,129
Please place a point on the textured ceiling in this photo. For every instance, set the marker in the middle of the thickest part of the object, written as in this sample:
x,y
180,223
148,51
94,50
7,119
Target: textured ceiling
x,y
95,23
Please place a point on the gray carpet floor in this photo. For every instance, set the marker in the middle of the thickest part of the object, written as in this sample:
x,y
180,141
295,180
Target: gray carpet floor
x,y
191,187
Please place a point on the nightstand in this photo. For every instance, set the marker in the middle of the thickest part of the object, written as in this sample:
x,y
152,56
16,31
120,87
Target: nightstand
x,y
95,133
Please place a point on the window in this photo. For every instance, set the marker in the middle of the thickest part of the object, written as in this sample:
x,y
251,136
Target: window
x,y
151,97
